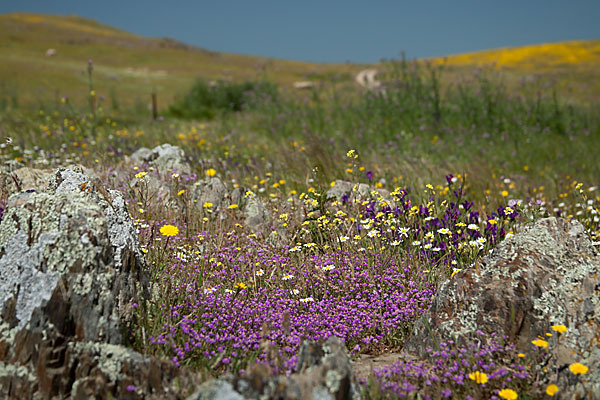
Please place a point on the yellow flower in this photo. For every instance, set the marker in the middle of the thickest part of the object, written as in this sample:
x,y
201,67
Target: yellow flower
x,y
504,193
521,355
551,389
508,394
180,192
140,175
240,285
169,230
540,343
211,172
578,369
207,204
231,207
478,377
559,328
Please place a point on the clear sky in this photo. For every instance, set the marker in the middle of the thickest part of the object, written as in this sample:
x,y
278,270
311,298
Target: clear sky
x,y
338,31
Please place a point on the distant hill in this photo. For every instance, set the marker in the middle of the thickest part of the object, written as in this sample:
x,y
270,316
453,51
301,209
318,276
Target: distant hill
x,y
126,66
574,66
129,67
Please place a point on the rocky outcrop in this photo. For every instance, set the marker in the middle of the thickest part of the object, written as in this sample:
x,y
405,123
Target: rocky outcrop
x,y
70,269
323,372
548,274
165,158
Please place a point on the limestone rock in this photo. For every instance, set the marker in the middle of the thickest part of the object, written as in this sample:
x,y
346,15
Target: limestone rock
x,y
545,275
166,158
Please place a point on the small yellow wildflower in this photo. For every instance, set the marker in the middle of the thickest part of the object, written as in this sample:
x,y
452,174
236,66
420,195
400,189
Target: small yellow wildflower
x,y
508,394
240,285
578,369
207,204
180,192
551,389
540,343
233,206
559,328
210,172
140,175
169,230
521,355
504,193
479,377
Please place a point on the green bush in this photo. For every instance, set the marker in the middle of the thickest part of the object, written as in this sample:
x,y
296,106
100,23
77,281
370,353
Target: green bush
x,y
206,101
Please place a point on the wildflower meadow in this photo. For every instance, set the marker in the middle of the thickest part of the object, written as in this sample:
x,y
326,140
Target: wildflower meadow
x,y
369,200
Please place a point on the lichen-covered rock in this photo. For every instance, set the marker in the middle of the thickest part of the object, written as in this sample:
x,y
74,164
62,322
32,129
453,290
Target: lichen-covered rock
x,y
256,216
166,158
70,268
324,372
545,275
216,389
347,190
211,190
25,179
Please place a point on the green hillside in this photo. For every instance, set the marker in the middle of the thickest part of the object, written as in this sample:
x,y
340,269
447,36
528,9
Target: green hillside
x,y
126,66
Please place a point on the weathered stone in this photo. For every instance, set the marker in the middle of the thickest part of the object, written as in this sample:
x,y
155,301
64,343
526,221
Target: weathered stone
x,y
345,189
216,389
257,217
166,158
211,190
70,268
545,275
26,179
324,372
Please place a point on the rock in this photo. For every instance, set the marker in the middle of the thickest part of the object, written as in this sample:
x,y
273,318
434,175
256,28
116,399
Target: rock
x,y
166,158
142,155
210,190
70,268
545,275
345,190
26,179
236,196
11,166
257,217
216,389
324,372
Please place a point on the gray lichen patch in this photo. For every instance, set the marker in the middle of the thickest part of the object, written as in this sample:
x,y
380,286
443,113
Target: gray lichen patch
x,y
19,371
109,358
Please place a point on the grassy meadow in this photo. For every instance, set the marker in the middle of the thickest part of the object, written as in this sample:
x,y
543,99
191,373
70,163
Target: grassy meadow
x,y
456,157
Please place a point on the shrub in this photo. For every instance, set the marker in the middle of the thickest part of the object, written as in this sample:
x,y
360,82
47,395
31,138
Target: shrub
x,y
206,100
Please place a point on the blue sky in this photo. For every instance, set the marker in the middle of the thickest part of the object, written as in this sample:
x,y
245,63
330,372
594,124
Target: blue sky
x,y
339,31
